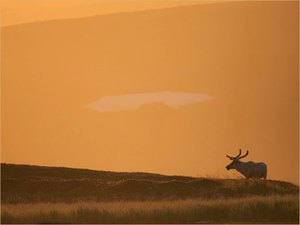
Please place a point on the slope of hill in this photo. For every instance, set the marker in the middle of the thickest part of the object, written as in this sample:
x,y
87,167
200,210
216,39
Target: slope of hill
x,y
25,183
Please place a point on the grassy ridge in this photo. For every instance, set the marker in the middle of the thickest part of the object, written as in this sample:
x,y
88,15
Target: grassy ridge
x,y
34,194
275,209
26,184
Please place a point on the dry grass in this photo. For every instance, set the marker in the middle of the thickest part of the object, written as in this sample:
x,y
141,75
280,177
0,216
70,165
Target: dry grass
x,y
259,209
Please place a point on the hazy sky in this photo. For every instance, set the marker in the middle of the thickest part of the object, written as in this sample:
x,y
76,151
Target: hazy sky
x,y
167,90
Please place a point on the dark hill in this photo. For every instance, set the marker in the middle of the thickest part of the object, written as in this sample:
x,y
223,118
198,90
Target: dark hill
x,y
26,183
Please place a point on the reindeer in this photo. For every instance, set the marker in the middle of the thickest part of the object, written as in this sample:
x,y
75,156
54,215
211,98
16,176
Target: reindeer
x,y
248,169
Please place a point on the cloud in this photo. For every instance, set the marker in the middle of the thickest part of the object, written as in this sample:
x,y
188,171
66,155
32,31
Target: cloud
x,y
130,102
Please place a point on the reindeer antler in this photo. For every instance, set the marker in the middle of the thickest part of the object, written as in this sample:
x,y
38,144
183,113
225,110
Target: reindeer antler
x,y
244,155
232,158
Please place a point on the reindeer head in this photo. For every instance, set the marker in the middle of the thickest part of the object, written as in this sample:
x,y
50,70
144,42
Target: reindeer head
x,y
235,160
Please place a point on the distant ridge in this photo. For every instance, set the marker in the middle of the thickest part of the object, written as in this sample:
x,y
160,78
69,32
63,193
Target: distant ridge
x,y
133,13
33,12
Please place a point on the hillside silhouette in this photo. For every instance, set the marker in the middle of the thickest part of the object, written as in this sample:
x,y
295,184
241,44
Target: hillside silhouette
x,y
27,183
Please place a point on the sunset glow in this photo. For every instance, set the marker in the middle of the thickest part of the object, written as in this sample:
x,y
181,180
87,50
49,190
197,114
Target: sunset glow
x,y
168,87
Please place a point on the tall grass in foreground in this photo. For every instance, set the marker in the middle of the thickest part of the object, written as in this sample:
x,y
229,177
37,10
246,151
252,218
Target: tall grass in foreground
x,y
271,209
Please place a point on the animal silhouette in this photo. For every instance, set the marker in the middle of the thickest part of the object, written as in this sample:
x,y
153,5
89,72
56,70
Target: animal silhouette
x,y
248,169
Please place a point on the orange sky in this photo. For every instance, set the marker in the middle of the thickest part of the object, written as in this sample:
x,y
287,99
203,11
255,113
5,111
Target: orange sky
x,y
169,91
